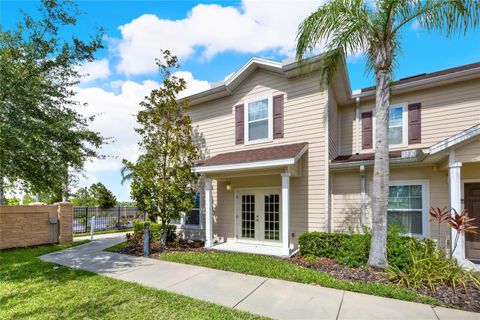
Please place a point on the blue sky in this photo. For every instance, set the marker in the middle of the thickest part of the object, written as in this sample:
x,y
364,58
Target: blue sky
x,y
212,39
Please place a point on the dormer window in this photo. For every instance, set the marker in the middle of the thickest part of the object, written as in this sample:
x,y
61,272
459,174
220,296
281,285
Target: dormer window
x,y
258,120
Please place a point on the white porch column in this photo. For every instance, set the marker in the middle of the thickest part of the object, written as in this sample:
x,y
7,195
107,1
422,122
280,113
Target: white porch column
x,y
455,191
286,214
208,213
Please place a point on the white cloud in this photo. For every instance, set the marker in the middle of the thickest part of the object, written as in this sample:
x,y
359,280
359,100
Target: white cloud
x,y
257,26
97,69
193,85
116,117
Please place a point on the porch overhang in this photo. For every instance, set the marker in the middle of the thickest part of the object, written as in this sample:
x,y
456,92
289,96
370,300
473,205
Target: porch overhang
x,y
261,158
367,159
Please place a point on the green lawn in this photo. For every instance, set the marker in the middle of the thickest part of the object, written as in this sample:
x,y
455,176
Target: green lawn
x,y
33,289
271,267
102,232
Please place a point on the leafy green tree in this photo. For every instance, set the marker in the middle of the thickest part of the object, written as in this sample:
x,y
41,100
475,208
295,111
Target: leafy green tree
x,y
351,26
162,182
102,197
42,135
83,198
27,199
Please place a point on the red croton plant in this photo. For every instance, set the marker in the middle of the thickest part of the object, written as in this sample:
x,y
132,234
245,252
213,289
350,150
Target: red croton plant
x,y
460,222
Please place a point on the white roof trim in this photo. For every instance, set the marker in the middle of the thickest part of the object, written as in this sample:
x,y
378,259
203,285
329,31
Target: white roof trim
x,y
251,165
245,165
454,140
356,94
253,61
407,156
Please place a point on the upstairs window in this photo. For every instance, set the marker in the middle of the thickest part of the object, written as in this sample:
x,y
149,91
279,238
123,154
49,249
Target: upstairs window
x,y
397,125
258,120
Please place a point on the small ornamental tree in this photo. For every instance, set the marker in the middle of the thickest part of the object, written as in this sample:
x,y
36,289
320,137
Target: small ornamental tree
x,y
162,181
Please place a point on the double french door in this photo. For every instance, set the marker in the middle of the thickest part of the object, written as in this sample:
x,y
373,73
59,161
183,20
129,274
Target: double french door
x,y
259,215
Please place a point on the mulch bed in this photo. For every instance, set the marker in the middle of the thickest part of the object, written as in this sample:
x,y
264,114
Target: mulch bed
x,y
340,271
156,249
466,298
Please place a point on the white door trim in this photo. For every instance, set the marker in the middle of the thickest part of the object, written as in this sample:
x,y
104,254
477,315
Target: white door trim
x,y
236,212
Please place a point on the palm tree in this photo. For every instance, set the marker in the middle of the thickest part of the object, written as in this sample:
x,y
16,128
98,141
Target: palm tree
x,y
360,26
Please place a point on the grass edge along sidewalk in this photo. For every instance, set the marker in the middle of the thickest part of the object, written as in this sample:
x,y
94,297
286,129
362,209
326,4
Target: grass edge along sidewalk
x,y
275,268
34,289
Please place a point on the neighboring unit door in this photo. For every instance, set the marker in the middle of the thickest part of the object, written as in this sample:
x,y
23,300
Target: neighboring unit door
x,y
259,216
472,204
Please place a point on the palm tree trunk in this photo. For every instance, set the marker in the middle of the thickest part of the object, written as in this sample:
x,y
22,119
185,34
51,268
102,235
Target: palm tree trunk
x,y
381,172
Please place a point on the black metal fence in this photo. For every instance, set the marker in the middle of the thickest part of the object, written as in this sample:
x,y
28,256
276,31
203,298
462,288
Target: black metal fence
x,y
115,218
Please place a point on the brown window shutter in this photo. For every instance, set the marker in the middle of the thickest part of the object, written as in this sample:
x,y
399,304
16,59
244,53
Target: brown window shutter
x,y
367,130
278,116
239,127
414,123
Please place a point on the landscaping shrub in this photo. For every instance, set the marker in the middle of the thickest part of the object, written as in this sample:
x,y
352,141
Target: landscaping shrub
x,y
428,267
155,232
353,249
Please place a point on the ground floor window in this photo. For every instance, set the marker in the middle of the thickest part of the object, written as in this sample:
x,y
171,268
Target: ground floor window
x,y
406,205
192,218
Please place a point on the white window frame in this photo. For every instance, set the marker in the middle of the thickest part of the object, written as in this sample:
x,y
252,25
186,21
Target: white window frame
x,y
183,217
425,204
404,143
270,120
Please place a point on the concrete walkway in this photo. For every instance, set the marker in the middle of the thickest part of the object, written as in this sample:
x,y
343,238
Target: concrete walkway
x,y
268,297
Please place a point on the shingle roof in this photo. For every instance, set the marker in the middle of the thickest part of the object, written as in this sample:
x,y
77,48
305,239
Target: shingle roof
x,y
254,155
364,157
424,76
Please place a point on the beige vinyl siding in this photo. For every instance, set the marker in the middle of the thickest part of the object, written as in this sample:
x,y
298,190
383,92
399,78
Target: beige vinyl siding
x,y
346,195
333,133
346,202
446,110
347,129
469,152
304,110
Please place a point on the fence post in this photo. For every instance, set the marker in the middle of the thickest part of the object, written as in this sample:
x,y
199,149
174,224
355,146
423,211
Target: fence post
x,y
118,217
146,239
86,219
92,228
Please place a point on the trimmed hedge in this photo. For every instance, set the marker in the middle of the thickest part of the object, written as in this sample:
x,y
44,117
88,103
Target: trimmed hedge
x,y
353,249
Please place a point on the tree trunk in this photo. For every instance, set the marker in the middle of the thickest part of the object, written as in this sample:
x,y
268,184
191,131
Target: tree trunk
x,y
381,172
2,192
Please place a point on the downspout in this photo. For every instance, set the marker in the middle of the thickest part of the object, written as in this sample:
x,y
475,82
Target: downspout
x,y
357,125
362,198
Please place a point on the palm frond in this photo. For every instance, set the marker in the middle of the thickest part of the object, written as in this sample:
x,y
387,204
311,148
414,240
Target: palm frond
x,y
341,26
451,16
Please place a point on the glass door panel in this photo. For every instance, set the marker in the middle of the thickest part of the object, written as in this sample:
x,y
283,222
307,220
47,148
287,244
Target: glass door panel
x,y
272,216
248,216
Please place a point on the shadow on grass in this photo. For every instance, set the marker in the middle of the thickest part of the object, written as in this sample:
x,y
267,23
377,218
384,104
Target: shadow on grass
x,y
33,288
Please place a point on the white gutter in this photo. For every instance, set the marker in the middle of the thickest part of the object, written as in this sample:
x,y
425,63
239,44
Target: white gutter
x,y
409,156
456,139
363,204
424,81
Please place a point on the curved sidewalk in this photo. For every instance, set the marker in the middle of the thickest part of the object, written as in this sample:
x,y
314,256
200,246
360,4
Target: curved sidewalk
x,y
273,298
